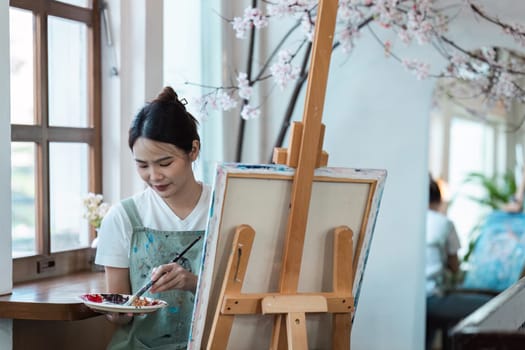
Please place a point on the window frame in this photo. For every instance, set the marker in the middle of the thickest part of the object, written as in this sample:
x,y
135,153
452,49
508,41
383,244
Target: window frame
x,y
41,133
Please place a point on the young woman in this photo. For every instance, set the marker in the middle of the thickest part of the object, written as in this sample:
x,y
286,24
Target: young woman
x,y
140,235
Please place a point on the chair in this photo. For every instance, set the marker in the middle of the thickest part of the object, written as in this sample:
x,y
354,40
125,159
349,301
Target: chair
x,y
499,254
497,262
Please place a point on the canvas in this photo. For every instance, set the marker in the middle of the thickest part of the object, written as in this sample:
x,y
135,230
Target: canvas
x,y
259,196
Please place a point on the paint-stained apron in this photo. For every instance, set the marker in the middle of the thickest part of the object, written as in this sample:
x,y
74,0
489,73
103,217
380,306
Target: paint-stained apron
x,y
169,327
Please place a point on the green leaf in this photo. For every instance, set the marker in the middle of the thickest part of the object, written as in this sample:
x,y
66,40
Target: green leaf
x,y
498,190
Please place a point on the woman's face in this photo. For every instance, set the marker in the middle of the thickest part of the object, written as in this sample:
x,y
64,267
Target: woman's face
x,y
163,166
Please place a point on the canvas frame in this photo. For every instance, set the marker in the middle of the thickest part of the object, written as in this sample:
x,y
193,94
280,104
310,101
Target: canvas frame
x,y
259,195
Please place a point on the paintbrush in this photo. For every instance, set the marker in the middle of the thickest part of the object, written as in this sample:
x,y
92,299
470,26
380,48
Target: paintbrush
x,y
151,282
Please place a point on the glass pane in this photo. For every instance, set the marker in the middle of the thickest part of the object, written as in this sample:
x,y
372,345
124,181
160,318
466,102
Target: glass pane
x,y
68,180
23,198
67,73
81,3
21,60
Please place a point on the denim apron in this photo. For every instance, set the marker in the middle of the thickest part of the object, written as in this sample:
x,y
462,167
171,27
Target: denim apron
x,y
169,327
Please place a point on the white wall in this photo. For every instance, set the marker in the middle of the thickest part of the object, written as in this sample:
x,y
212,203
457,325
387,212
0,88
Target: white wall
x,y
6,279
376,117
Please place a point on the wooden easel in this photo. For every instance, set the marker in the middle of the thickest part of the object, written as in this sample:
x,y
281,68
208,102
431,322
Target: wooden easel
x,y
290,307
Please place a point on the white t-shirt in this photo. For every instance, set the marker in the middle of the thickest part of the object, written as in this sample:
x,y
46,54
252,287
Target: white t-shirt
x,y
442,240
115,231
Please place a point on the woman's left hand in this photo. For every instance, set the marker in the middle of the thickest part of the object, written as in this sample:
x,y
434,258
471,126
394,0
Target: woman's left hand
x,y
173,276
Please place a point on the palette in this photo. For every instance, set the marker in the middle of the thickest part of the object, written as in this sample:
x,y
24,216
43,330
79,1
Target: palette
x,y
114,302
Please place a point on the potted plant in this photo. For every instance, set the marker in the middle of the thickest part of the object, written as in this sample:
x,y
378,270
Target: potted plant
x,y
498,191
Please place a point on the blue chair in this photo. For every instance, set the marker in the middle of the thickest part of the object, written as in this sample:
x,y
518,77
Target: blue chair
x,y
498,257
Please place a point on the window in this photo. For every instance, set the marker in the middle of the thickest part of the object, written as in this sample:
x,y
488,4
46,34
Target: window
x,y
55,128
459,145
464,212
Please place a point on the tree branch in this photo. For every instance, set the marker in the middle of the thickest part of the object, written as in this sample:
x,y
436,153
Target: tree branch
x,y
249,64
293,99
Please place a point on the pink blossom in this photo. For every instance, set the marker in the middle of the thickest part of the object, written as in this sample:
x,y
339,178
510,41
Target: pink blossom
x,y
245,90
405,36
388,48
249,112
458,59
225,101
420,69
348,11
252,16
346,38
283,71
505,86
308,27
220,100
517,32
280,9
285,8
256,16
217,100
419,26
240,26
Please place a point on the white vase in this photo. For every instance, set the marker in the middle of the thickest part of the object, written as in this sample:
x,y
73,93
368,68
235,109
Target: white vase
x,y
94,243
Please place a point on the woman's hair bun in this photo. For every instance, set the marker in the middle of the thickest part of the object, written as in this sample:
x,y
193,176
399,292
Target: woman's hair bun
x,y
165,119
167,95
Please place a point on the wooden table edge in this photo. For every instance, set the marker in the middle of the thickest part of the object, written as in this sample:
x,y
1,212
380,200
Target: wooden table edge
x,y
44,300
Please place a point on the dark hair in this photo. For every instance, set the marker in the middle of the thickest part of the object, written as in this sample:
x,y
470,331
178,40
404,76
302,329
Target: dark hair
x,y
165,119
435,193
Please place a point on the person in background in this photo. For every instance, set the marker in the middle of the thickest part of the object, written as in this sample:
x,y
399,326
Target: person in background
x,y
515,205
443,309
442,243
140,235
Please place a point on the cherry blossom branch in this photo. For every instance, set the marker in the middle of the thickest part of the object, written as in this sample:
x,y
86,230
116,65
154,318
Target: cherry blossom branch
x,y
285,124
417,21
303,75
517,32
276,50
245,101
479,57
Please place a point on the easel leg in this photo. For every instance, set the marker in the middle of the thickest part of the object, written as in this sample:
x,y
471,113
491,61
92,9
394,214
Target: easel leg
x,y
296,330
279,334
232,284
293,309
341,329
342,283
